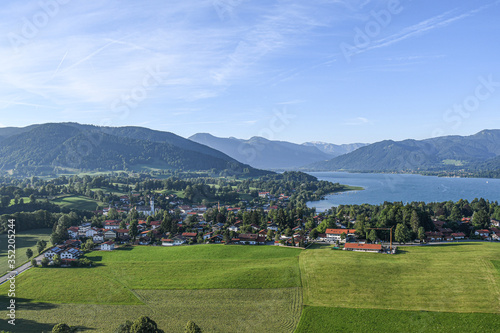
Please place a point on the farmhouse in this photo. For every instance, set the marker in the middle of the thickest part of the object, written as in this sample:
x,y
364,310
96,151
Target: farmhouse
x,y
458,235
53,251
112,224
174,241
250,239
71,253
73,232
336,234
109,234
363,247
108,246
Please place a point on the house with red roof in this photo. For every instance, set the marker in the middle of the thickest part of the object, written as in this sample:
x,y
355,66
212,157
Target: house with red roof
x,y
336,234
108,246
363,247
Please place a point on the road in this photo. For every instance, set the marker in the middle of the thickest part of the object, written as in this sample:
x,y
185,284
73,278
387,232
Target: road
x,y
21,269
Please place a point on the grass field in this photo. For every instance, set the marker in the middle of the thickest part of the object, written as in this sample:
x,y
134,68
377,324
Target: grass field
x,y
222,287
453,277
226,310
446,288
24,240
76,202
317,319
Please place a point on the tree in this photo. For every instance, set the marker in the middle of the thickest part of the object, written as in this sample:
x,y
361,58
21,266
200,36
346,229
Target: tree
x,y
421,233
29,253
32,199
124,328
33,262
145,324
45,262
191,327
414,221
372,236
57,260
62,328
40,246
89,245
480,219
314,234
133,230
5,200
402,234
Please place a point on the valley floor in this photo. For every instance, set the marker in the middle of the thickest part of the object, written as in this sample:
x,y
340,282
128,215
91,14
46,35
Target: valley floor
x,y
444,288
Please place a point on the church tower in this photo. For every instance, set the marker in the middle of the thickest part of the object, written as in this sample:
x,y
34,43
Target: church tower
x,y
152,204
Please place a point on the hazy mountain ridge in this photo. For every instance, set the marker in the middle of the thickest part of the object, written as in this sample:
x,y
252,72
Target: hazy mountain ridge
x,y
333,149
263,153
441,153
87,147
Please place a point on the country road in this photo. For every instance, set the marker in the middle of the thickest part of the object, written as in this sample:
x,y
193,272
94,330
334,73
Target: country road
x,y
20,269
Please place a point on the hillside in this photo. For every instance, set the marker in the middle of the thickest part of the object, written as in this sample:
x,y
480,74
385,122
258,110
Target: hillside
x,y
333,149
42,148
262,153
475,152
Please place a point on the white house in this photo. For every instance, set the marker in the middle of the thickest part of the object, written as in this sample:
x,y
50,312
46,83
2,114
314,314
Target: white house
x,y
336,234
108,246
73,232
71,253
98,238
172,241
272,227
52,252
233,228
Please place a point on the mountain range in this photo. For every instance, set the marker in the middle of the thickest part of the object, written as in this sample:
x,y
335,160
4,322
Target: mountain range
x,y
43,148
480,151
262,153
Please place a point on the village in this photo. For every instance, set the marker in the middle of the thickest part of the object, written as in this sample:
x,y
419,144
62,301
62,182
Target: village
x,y
192,228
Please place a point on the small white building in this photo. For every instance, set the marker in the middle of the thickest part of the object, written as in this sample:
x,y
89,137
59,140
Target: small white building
x,y
108,246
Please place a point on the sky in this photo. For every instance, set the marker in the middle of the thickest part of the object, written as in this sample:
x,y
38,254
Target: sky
x,y
337,71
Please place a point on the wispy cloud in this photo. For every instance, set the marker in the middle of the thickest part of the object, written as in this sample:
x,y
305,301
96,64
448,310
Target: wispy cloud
x,y
422,27
357,121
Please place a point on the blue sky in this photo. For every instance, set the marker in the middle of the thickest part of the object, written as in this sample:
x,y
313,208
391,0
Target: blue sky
x,y
337,71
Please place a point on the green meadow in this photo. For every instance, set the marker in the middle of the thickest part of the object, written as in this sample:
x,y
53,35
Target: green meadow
x,y
76,202
24,240
447,288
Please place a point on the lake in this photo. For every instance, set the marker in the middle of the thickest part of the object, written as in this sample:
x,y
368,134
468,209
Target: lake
x,y
404,187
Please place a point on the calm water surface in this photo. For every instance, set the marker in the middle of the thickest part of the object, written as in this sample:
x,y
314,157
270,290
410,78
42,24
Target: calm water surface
x,y
406,188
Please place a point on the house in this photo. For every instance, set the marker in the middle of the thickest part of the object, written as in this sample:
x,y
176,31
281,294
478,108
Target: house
x,y
336,234
98,238
482,232
73,232
495,223
208,235
264,194
109,234
458,235
434,236
189,235
121,233
254,226
155,224
363,247
174,241
215,239
73,243
53,251
495,237
272,227
108,246
233,228
218,226
71,253
112,224
90,232
248,239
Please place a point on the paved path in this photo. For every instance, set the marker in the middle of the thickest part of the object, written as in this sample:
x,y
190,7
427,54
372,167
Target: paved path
x,y
21,269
